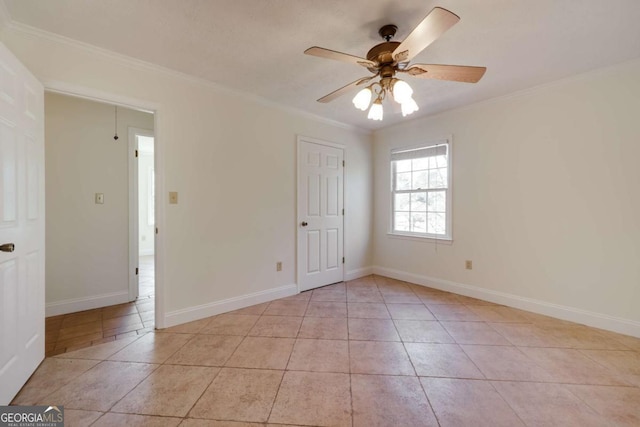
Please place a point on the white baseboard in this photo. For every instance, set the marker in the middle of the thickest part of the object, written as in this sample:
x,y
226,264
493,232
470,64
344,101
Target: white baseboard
x,y
572,314
358,273
198,312
85,303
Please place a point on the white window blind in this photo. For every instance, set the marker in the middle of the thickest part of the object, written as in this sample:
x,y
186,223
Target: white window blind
x,y
417,153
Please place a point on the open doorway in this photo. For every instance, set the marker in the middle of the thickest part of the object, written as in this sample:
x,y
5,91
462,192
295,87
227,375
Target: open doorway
x,y
88,227
146,216
142,217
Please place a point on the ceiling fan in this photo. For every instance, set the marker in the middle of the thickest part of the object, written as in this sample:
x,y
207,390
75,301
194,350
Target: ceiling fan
x,y
387,59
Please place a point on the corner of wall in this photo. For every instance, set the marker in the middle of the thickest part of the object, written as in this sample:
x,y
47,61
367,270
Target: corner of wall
x,y
75,305
589,318
358,273
191,314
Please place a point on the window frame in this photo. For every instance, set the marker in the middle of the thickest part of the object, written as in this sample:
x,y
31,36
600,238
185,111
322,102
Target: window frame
x,y
448,236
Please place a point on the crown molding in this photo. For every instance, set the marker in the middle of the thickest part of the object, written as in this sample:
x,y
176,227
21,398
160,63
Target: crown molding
x,y
585,75
138,64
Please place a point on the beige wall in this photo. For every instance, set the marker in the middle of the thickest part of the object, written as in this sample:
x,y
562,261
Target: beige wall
x,y
545,189
546,199
87,244
232,160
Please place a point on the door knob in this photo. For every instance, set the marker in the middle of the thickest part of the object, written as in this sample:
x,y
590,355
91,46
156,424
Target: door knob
x,y
304,223
8,247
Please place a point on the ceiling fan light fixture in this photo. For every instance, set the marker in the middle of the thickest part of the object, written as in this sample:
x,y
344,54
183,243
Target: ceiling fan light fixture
x,y
362,99
409,107
389,58
402,92
375,112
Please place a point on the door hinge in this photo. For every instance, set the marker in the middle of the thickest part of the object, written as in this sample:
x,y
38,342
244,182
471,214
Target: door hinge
x,y
343,260
343,163
136,153
156,230
136,271
342,211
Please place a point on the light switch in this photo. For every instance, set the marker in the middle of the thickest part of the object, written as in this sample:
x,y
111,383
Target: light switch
x,y
173,197
99,198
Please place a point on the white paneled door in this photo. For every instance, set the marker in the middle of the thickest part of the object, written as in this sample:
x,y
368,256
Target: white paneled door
x,y
21,225
320,214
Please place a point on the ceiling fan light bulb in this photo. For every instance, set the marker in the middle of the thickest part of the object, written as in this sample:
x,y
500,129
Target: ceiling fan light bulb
x,y
375,112
362,99
409,106
402,91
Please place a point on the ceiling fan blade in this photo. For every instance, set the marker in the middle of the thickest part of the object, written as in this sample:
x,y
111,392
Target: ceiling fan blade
x,y
339,56
436,23
344,89
456,73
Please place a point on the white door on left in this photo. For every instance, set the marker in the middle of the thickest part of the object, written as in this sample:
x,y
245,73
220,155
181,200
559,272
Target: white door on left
x,y
21,225
320,214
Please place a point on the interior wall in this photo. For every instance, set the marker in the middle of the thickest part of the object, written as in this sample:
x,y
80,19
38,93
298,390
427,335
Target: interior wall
x,y
87,243
546,197
232,160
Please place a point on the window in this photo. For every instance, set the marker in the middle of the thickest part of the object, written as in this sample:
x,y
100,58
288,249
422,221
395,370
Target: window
x,y
421,191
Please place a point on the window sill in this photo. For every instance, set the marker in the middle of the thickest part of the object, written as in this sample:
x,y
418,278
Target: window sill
x,y
440,241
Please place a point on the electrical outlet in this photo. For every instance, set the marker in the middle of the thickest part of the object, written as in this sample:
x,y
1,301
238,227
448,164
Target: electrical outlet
x,y
99,198
173,197
468,264
279,266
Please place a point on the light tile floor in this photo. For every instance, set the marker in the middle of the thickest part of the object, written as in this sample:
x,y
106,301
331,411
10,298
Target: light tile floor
x,y
371,352
73,331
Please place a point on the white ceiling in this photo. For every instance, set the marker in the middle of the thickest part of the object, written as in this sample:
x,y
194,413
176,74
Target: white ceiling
x,y
256,45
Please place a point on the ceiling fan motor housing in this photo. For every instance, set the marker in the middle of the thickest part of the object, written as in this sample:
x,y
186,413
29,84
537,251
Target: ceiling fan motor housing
x,y
382,53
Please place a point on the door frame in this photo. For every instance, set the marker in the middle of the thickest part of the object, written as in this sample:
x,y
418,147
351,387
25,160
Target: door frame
x,y
159,167
301,139
134,209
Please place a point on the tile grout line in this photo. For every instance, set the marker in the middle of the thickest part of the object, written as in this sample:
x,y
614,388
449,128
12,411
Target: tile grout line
x,y
424,392
136,385
158,365
349,358
195,402
87,343
492,382
275,397
506,402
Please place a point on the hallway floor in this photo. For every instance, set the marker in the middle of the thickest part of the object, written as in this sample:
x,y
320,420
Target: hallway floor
x,y
73,331
373,351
